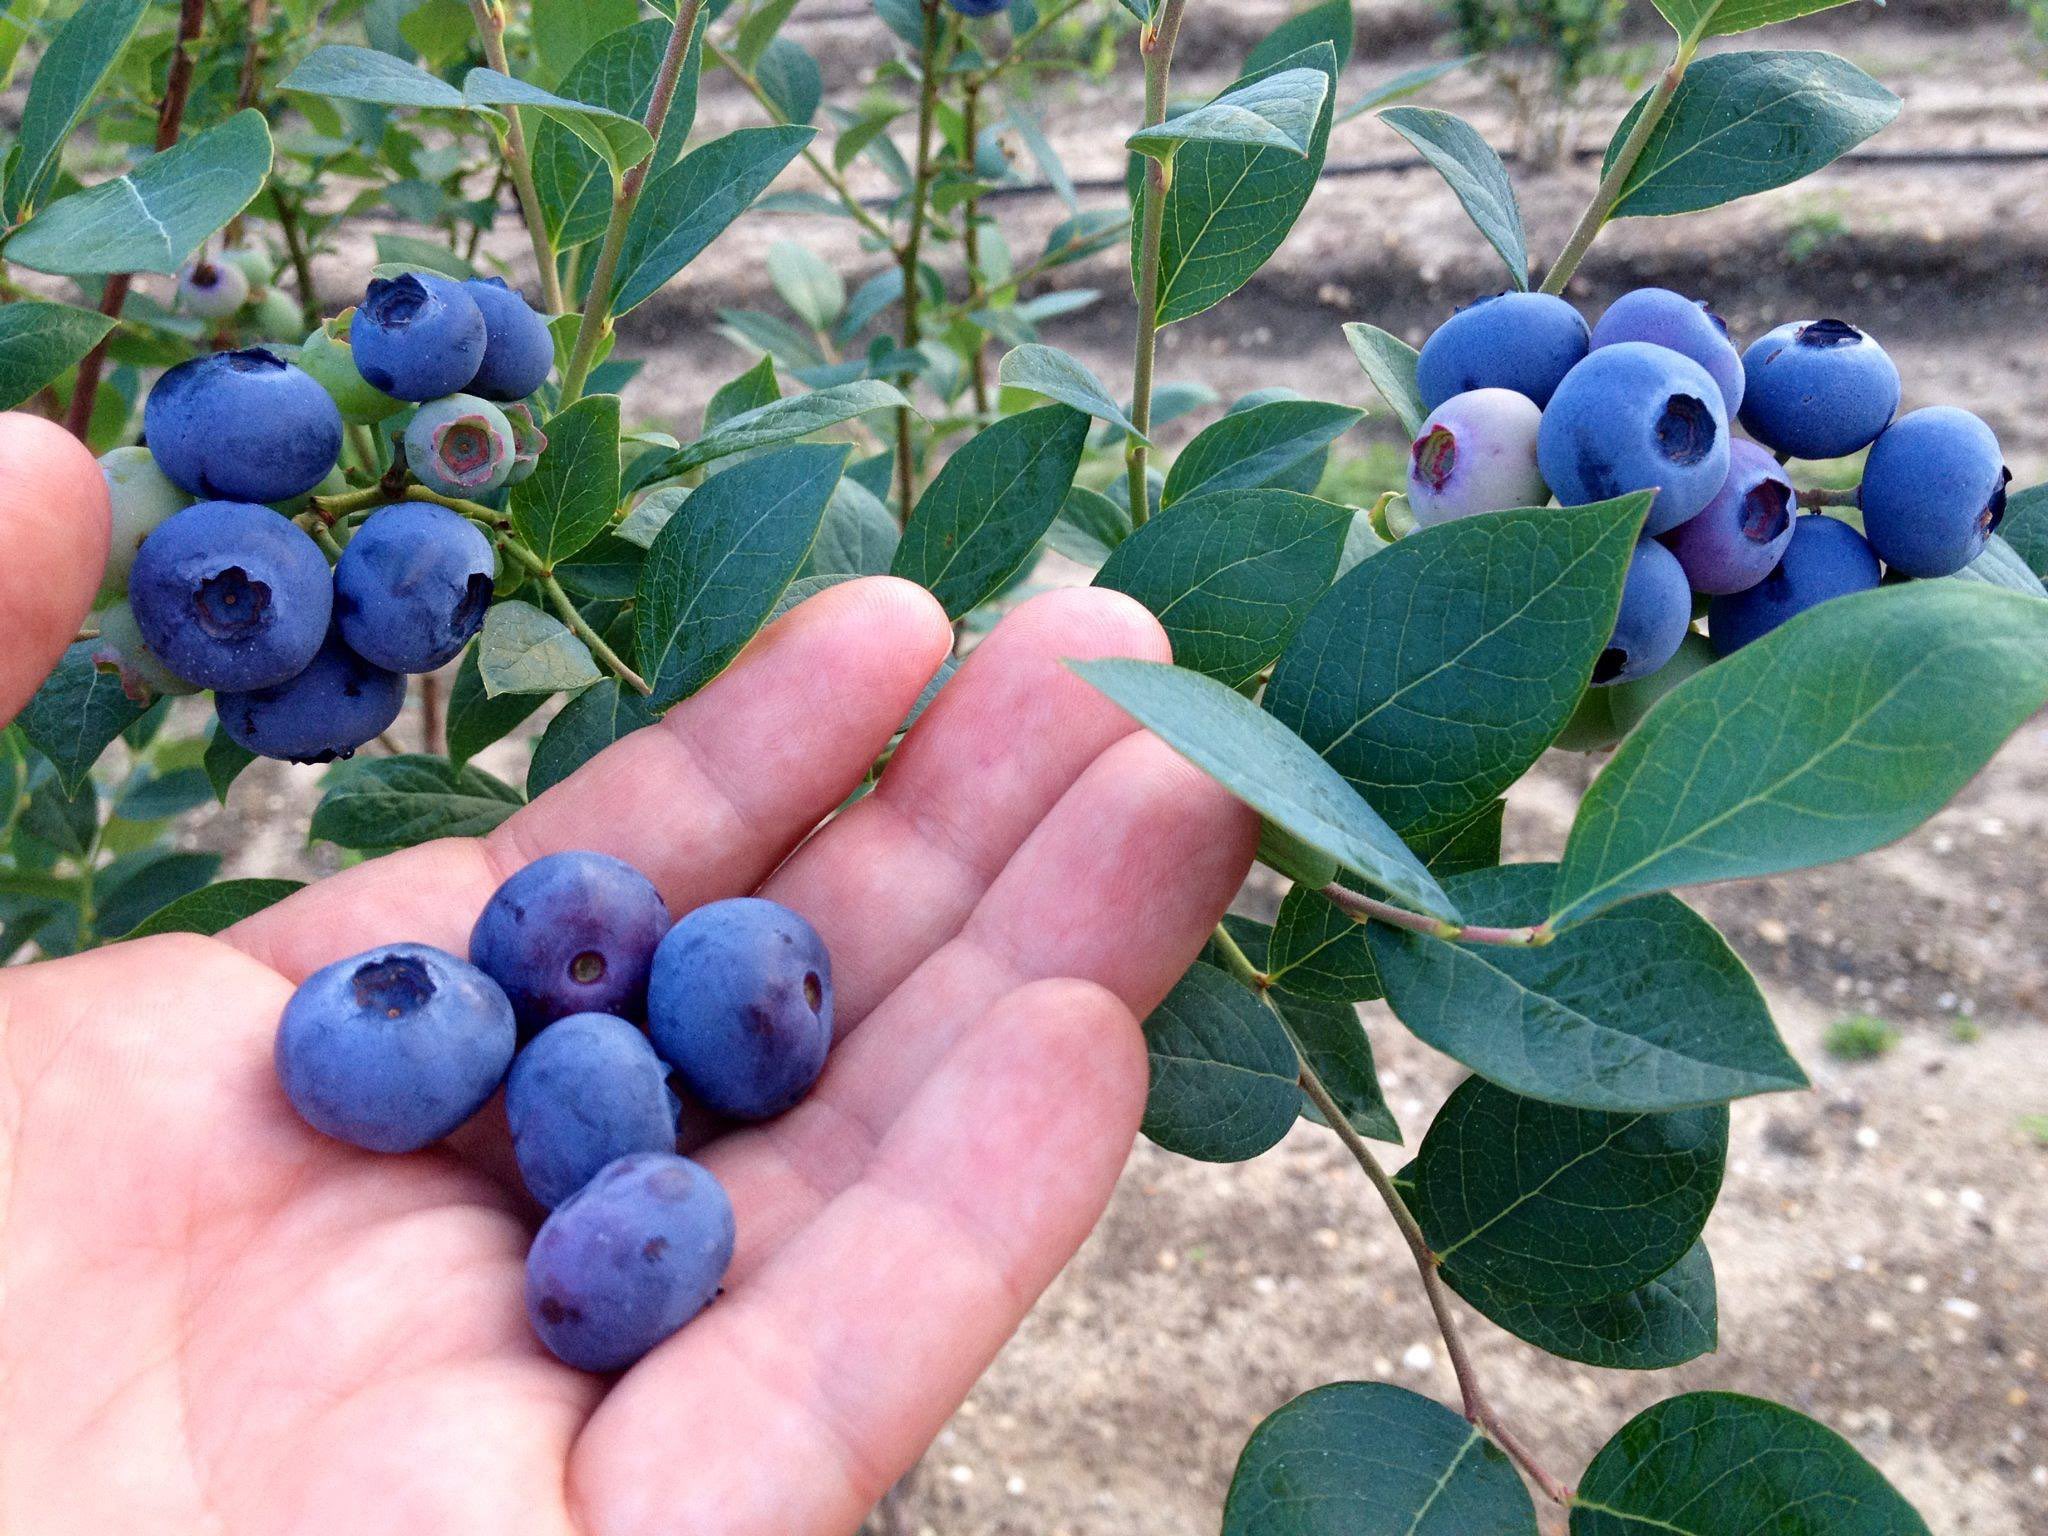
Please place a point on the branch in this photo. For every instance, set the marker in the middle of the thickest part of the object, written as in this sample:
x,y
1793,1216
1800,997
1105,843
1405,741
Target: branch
x,y
1157,46
927,102
490,26
1365,908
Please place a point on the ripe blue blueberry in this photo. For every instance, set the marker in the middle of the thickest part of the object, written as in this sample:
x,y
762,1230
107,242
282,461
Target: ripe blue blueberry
x,y
140,496
740,1004
333,705
1656,611
571,933
586,1090
417,336
1933,491
120,649
393,1049
627,1260
413,586
518,350
242,426
231,595
1526,342
1737,539
979,7
1476,453
212,290
459,446
1633,417
1686,326
1818,389
1826,558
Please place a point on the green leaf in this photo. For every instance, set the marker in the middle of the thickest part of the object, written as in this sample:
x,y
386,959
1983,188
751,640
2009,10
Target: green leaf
x,y
154,217
67,78
758,28
1273,771
1225,1080
1054,374
1563,1206
587,724
38,341
564,30
570,497
401,250
752,389
783,421
1400,86
1331,22
1231,575
858,536
1715,1464
157,878
985,510
1436,673
1254,446
1277,111
621,140
1332,1040
1695,19
215,907
716,568
1468,163
1089,526
159,796
791,80
1644,1008
344,72
1999,566
523,650
1361,1458
1834,734
1389,362
1663,1322
379,803
2026,527
689,205
1230,205
476,719
808,283
1747,122
224,761
76,715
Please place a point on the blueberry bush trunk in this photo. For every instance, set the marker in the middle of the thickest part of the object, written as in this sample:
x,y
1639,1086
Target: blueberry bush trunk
x,y
1609,540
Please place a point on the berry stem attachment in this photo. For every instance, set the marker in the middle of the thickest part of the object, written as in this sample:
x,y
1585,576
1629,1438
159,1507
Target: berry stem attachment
x,y
1364,908
490,28
1157,47
1827,496
1608,193
920,192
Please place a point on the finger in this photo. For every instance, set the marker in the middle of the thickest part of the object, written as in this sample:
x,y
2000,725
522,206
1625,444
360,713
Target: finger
x,y
1142,842
995,751
53,530
706,801
844,1357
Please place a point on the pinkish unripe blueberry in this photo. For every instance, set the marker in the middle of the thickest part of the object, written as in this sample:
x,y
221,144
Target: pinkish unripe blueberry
x,y
212,290
1476,453
528,441
459,445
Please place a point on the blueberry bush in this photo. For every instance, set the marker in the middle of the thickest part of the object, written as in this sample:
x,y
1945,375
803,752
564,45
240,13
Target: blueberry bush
x,y
1613,537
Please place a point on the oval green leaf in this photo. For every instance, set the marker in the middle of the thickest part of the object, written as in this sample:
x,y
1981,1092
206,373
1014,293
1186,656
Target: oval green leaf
x,y
38,341
1389,362
1661,1323
1255,445
1475,173
1225,1081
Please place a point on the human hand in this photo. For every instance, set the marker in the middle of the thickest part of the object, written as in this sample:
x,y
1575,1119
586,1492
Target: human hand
x,y
53,544
213,1319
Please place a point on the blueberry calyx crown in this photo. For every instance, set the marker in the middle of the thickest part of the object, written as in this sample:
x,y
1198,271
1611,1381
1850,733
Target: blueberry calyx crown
x,y
1994,509
393,986
1610,665
1685,430
394,302
1435,455
1828,333
1766,511
231,603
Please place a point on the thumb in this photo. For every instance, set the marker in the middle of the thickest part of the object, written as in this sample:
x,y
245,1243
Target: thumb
x,y
53,548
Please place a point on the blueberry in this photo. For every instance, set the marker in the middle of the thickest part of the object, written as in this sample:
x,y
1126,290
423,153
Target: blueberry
x,y
1591,727
255,264
459,446
395,1048
1736,540
1633,417
1656,611
275,315
1826,558
336,704
1526,342
979,7
1476,453
740,1004
413,586
327,356
528,441
518,348
242,426
1933,491
1686,326
586,1090
1818,389
627,1260
212,290
231,595
120,649
1629,702
571,933
141,496
418,336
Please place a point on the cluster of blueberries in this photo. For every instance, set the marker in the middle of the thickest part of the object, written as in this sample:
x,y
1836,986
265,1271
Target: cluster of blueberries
x,y
1527,402
211,584
397,1048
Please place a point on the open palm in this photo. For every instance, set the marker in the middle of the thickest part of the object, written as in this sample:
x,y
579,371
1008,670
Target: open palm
x,y
214,1320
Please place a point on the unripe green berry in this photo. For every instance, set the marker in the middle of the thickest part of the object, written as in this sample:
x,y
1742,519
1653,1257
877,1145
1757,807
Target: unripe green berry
x,y
459,445
141,496
121,649
275,315
253,262
1591,727
327,357
1631,701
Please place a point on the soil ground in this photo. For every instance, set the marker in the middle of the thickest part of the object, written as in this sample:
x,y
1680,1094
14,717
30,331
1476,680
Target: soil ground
x,y
1881,1242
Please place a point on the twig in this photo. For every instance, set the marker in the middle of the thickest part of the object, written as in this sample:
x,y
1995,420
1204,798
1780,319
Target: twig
x,y
590,637
927,101
1365,908
970,127
1157,46
490,26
